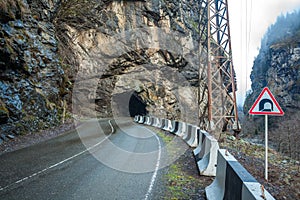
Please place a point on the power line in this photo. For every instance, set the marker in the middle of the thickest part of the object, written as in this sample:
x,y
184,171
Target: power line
x,y
248,43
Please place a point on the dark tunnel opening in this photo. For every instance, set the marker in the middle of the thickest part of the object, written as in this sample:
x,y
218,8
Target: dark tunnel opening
x,y
137,105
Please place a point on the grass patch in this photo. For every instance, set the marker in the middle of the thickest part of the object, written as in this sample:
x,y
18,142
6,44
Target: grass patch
x,y
182,180
180,184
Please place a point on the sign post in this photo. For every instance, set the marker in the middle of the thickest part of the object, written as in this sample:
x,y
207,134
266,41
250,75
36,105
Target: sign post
x,y
266,104
266,147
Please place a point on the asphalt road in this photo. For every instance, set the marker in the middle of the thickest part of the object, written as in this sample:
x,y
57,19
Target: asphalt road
x,y
100,160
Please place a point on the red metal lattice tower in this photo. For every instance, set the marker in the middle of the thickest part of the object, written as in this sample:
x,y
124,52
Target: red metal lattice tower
x,y
221,82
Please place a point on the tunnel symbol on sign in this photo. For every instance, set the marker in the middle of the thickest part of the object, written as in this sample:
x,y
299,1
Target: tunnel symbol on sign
x,y
266,105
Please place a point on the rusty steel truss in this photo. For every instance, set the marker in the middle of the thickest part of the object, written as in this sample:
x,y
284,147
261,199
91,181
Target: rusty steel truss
x,y
221,81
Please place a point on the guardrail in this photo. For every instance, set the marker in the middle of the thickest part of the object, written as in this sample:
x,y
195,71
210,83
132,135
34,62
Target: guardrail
x,y
232,182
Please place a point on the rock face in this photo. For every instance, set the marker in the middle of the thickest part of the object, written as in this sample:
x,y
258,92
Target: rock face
x,y
31,74
278,67
125,51
120,58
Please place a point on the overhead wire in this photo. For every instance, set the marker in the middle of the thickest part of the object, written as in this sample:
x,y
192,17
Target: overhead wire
x,y
241,41
248,43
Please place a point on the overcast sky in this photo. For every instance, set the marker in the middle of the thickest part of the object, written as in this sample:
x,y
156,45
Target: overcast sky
x,y
249,20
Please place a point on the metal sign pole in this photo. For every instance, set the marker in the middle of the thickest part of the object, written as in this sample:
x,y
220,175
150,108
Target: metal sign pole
x,y
266,104
266,147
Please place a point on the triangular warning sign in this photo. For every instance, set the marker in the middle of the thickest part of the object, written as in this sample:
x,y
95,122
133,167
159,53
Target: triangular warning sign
x,y
266,104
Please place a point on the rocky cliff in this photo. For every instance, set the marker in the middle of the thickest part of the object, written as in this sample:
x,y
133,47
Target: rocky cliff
x,y
32,83
119,58
132,57
278,67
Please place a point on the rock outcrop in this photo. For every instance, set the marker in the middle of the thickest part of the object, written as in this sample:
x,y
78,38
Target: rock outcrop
x,y
119,58
32,78
278,67
133,50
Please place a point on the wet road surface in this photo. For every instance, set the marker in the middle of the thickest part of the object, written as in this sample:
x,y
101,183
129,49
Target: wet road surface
x,y
101,159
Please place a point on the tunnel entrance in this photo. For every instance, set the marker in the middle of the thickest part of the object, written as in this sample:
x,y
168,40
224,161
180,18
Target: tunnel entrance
x,y
137,105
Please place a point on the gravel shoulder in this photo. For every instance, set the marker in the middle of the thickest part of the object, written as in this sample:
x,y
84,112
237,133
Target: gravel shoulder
x,y
29,139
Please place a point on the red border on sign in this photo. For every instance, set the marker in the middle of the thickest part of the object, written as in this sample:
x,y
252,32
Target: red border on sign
x,y
266,89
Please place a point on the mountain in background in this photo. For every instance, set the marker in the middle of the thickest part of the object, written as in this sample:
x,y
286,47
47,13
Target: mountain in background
x,y
277,66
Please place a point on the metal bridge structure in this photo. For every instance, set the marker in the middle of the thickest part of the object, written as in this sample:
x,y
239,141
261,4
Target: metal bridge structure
x,y
220,75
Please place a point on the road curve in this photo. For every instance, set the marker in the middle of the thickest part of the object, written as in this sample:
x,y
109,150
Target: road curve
x,y
107,159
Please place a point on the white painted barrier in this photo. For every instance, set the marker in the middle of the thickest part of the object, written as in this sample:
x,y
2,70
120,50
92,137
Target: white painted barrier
x,y
206,154
233,181
203,145
201,137
186,137
147,120
156,122
152,119
141,119
193,141
168,125
162,123
174,126
178,129
182,129
165,121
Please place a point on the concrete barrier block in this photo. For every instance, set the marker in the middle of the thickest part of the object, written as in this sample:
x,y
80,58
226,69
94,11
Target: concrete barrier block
x,y
202,148
147,120
141,119
216,190
165,125
201,138
157,122
179,128
207,165
233,181
168,125
162,123
236,175
183,129
253,191
193,141
175,126
188,132
152,119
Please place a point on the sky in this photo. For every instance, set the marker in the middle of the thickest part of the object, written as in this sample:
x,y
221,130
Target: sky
x,y
249,20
